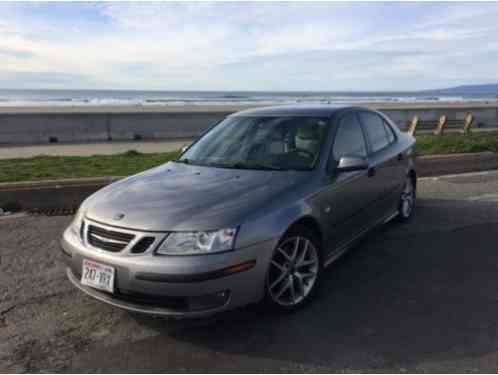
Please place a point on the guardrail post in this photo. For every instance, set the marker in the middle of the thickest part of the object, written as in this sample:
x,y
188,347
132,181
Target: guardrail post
x,y
443,120
413,125
468,120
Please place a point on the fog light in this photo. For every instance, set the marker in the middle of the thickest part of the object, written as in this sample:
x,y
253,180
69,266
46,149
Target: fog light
x,y
208,301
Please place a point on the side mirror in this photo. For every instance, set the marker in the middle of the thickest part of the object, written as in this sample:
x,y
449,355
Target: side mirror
x,y
352,163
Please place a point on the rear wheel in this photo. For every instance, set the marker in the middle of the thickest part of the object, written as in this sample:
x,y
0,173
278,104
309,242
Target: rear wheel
x,y
407,200
294,271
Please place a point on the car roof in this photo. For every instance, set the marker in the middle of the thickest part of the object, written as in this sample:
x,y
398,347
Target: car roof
x,y
298,110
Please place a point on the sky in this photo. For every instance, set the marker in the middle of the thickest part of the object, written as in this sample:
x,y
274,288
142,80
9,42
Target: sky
x,y
248,46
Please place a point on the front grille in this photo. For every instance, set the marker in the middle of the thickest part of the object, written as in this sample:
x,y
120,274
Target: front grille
x,y
108,240
142,245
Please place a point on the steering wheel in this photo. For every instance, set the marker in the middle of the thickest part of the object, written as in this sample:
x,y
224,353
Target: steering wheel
x,y
308,154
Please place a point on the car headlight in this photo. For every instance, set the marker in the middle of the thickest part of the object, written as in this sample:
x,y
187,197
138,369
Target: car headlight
x,y
190,243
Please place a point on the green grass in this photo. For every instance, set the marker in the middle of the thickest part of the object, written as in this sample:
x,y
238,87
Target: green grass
x,y
55,167
453,143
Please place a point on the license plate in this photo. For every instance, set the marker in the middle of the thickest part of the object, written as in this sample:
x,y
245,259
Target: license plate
x,y
97,275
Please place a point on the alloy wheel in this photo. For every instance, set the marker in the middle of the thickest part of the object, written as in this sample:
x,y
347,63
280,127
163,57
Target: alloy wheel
x,y
293,271
407,198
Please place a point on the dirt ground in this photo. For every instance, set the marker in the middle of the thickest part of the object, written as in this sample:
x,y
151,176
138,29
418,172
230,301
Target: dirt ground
x,y
89,149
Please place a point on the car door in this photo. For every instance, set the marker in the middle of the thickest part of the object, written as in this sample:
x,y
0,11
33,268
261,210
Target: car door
x,y
398,163
385,162
347,194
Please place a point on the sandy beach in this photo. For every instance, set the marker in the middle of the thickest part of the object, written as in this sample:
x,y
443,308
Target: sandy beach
x,y
229,108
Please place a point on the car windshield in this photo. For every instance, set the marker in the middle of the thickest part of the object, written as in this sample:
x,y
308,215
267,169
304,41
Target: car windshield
x,y
265,143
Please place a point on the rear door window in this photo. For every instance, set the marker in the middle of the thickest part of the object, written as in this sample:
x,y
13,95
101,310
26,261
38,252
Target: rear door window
x,y
389,131
376,130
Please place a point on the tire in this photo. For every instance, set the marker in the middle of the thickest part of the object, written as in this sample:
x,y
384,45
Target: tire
x,y
295,270
407,199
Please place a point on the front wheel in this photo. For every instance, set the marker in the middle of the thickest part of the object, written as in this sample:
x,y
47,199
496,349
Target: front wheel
x,y
407,200
294,271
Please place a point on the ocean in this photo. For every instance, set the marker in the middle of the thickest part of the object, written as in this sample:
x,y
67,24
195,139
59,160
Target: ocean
x,y
10,97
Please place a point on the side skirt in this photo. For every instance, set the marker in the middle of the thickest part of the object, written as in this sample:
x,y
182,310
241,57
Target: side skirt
x,y
342,249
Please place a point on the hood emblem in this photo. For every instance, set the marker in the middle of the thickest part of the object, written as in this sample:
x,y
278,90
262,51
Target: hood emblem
x,y
119,216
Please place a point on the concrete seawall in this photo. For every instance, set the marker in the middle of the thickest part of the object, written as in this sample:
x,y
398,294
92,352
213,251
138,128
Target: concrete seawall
x,y
37,126
95,127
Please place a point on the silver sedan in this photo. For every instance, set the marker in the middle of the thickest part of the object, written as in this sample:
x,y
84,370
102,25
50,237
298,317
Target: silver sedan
x,y
253,211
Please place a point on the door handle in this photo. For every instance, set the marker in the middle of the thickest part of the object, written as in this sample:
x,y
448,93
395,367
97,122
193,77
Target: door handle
x,y
371,171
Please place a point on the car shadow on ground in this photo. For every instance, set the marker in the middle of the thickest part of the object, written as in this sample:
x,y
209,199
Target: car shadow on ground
x,y
426,291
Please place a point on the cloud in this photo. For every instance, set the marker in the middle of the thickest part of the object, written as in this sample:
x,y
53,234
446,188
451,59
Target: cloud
x,y
53,80
18,54
256,46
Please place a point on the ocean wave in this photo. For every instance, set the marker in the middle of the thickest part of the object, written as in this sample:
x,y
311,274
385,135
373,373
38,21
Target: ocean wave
x,y
131,98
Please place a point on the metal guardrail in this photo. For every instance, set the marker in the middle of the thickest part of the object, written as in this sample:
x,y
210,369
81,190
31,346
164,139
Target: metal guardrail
x,y
442,124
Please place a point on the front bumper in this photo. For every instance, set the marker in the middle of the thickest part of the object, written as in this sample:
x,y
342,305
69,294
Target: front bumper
x,y
176,286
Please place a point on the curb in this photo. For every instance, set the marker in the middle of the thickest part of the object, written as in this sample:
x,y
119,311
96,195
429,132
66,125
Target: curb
x,y
54,197
61,196
57,184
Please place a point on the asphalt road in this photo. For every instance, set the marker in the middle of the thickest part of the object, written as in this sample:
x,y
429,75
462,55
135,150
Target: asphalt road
x,y
418,297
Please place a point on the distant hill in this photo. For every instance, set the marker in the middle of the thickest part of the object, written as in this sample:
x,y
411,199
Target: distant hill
x,y
491,88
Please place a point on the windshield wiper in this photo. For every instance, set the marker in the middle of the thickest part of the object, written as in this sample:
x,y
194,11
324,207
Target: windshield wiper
x,y
237,165
184,161
255,166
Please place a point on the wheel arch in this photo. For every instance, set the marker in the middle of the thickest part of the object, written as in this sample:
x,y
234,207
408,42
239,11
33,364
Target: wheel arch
x,y
413,176
309,222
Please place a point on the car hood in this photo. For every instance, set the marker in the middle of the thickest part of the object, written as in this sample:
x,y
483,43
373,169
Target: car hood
x,y
177,196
